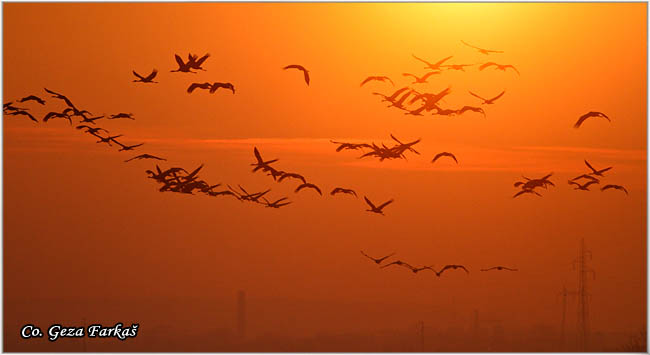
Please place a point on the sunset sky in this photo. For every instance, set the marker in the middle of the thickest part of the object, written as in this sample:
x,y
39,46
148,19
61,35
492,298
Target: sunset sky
x,y
84,230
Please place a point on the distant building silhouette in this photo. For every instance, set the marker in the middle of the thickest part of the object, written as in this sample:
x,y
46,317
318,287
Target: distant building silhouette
x,y
241,314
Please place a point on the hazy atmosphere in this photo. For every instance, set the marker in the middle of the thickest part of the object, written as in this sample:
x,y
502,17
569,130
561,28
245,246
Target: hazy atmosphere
x,y
523,99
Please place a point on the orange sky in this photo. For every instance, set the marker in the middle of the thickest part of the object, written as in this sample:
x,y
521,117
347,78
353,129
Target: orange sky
x,y
75,206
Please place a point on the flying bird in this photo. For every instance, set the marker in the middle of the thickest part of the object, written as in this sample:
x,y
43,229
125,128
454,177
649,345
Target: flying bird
x,y
399,263
502,67
24,113
423,79
488,101
377,209
148,79
434,66
275,204
285,175
617,187
588,115
51,115
193,86
460,67
33,98
453,267
60,97
594,171
499,268
470,108
126,147
444,154
182,66
261,164
377,78
299,67
343,191
584,187
308,185
526,191
481,50
195,63
122,115
145,156
377,260
218,85
91,130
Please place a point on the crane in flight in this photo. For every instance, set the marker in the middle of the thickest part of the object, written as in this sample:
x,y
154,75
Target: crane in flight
x,y
481,50
376,78
299,67
422,79
611,186
444,154
501,67
377,260
499,268
588,115
147,79
343,191
377,209
488,101
432,66
594,171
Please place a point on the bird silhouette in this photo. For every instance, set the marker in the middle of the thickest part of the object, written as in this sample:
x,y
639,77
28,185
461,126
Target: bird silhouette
x,y
444,154
51,115
594,171
434,66
218,85
460,67
481,50
398,263
502,67
377,260
299,67
182,66
106,140
588,115
308,185
499,268
611,186
148,79
421,80
393,96
145,156
90,119
195,63
275,204
126,147
91,130
377,209
376,78
584,187
488,101
121,115
193,86
285,175
526,191
32,98
343,191
452,267
470,108
261,164
23,113
60,97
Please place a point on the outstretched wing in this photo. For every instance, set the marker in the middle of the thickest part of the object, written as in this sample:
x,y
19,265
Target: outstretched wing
x,y
151,76
473,94
422,60
385,204
498,96
513,67
202,59
179,60
369,203
485,65
138,75
589,166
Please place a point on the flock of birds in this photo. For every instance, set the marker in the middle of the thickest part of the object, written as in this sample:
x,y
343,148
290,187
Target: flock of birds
x,y
177,179
415,270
